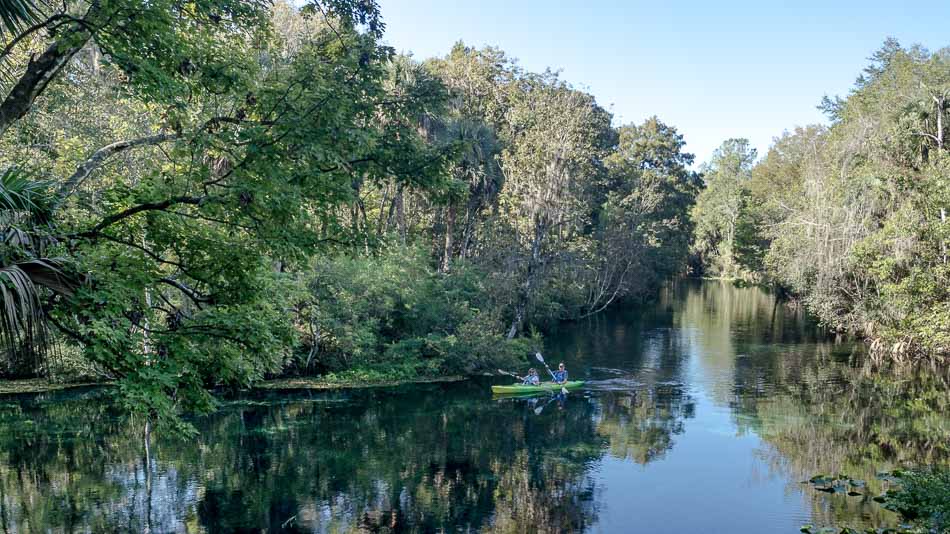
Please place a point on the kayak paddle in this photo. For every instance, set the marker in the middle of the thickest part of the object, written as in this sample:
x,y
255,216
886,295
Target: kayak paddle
x,y
539,409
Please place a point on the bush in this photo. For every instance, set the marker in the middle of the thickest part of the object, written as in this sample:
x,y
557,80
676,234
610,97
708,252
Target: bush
x,y
396,316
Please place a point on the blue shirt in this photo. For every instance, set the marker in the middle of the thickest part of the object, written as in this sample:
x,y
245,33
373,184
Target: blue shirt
x,y
531,380
560,376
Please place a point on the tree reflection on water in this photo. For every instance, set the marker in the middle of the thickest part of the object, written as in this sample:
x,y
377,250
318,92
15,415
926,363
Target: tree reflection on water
x,y
449,457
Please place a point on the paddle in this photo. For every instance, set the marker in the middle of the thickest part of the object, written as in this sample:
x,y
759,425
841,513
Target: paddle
x,y
539,409
541,359
509,374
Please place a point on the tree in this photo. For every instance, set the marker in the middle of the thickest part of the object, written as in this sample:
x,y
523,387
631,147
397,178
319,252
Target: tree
x,y
851,219
642,220
558,142
479,82
720,206
251,146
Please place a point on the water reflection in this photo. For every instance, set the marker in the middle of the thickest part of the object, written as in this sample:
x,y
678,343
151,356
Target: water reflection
x,y
715,402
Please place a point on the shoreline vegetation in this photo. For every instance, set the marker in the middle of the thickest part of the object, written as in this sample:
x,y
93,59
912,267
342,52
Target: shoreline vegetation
x,y
32,386
850,218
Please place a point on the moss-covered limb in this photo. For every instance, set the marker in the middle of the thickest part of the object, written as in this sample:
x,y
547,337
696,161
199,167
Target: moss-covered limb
x,y
346,383
40,385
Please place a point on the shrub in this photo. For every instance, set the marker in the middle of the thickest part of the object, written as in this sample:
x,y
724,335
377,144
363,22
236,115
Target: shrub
x,y
396,315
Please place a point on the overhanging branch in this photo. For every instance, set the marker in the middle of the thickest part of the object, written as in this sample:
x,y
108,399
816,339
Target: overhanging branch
x,y
101,155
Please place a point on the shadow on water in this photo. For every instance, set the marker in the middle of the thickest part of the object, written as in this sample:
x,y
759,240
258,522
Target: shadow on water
x,y
704,412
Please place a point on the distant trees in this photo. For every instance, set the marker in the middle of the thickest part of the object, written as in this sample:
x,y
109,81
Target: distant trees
x,y
559,139
720,207
853,218
642,226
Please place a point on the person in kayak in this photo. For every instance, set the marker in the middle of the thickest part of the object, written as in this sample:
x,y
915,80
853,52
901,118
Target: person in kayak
x,y
532,379
560,376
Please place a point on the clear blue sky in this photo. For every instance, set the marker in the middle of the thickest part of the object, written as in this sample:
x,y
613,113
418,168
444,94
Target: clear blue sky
x,y
712,69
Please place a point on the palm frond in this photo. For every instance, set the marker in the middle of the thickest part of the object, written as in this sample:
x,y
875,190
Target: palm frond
x,y
22,325
15,14
49,273
21,194
24,334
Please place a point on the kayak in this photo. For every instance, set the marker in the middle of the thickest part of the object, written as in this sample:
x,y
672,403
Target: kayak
x,y
518,389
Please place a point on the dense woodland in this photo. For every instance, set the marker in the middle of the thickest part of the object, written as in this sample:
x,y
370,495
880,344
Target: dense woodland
x,y
206,194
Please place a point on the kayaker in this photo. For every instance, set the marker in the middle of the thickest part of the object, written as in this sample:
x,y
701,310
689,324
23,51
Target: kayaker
x,y
532,379
560,376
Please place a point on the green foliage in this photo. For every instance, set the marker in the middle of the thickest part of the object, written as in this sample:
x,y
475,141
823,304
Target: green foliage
x,y
853,219
241,141
233,190
643,223
722,242
395,315
923,497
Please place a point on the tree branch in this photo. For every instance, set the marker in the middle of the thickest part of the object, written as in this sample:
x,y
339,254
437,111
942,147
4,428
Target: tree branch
x,y
29,31
149,253
40,71
196,297
104,153
125,214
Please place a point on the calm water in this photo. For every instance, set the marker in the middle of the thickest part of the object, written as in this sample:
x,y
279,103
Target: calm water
x,y
705,412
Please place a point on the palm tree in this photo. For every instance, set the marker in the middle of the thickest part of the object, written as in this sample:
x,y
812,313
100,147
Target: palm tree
x,y
26,272
477,167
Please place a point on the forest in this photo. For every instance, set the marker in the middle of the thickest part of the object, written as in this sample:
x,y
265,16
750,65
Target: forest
x,y
199,196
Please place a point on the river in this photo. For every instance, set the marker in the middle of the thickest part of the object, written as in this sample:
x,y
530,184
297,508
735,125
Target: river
x,y
704,412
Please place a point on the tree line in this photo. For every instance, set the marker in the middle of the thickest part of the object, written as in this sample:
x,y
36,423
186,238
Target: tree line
x,y
201,195
851,217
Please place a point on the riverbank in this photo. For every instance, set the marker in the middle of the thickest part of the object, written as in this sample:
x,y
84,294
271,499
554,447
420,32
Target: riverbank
x,y
323,384
39,385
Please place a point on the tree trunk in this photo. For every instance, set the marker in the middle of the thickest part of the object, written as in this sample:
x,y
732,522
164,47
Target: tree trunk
x,y
382,219
516,321
534,265
39,72
940,104
401,215
449,232
943,243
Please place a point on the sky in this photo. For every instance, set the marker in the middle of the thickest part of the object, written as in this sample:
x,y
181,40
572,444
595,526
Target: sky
x,y
713,69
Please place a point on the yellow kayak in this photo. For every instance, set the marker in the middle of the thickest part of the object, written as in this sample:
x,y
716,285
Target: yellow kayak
x,y
519,389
